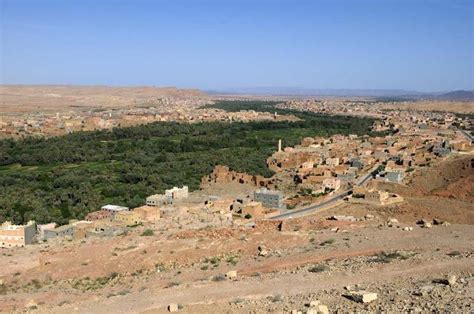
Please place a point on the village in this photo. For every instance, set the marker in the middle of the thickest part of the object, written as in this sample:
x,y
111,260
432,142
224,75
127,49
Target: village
x,y
91,115
348,196
320,173
177,109
298,157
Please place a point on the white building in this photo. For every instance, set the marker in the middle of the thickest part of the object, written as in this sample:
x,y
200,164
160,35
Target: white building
x,y
114,208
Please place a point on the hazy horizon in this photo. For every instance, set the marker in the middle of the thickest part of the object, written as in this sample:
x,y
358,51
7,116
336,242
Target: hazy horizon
x,y
422,46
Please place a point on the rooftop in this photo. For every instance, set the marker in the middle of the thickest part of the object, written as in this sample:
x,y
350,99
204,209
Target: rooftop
x,y
114,207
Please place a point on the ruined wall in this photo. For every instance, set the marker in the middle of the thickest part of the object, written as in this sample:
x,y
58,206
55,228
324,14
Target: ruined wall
x,y
222,174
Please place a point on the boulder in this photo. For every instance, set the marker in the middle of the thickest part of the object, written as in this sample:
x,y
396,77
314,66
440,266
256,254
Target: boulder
x,y
231,274
342,218
31,304
438,222
427,225
451,280
363,296
425,290
173,307
262,251
322,309
369,217
315,307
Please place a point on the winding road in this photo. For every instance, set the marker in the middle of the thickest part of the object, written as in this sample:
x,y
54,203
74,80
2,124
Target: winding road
x,y
467,135
313,208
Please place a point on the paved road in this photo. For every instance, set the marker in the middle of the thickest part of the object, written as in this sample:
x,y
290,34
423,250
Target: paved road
x,y
467,135
304,211
369,175
332,200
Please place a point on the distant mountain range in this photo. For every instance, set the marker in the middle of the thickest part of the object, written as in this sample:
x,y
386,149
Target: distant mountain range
x,y
461,95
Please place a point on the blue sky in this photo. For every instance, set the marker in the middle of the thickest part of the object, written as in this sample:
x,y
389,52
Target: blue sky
x,y
425,45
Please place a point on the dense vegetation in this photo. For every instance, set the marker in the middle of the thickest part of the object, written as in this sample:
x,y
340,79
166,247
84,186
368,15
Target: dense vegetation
x,y
65,177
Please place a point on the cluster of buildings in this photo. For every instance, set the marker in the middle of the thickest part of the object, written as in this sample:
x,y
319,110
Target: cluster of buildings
x,y
383,111
110,220
324,164
332,106
258,205
321,165
49,124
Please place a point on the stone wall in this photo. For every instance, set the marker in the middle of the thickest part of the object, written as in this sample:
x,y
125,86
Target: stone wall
x,y
222,174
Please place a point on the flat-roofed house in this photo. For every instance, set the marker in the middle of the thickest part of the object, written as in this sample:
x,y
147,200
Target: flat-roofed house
x,y
148,213
394,176
332,183
169,197
41,228
376,196
254,209
60,232
157,200
269,198
128,218
114,208
99,215
332,161
177,193
17,235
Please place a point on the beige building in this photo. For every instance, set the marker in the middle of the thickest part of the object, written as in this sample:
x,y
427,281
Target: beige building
x,y
156,200
373,196
332,161
332,183
17,235
177,193
99,215
376,196
254,209
169,197
128,218
148,213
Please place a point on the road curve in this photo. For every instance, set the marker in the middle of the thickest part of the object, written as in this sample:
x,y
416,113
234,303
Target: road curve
x,y
334,199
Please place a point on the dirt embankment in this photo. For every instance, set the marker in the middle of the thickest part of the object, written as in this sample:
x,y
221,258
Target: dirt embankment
x,y
452,177
444,191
